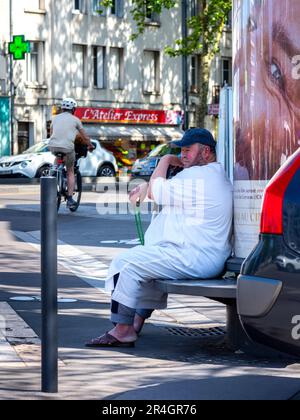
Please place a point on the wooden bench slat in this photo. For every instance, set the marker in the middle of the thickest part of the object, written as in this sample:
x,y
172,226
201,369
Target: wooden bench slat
x,y
215,288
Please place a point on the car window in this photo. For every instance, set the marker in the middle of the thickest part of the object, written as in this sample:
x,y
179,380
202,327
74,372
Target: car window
x,y
175,151
291,219
37,148
164,149
159,151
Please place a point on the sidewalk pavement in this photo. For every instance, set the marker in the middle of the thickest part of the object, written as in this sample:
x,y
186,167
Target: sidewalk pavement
x,y
172,359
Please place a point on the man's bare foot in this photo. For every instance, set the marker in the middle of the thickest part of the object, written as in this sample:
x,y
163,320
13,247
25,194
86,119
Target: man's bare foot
x,y
138,324
124,333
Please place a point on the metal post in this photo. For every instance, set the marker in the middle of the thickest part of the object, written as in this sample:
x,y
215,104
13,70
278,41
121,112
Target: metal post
x,y
49,284
185,73
227,122
236,336
11,81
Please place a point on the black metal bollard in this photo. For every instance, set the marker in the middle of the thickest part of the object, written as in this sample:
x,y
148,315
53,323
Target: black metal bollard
x,y
49,284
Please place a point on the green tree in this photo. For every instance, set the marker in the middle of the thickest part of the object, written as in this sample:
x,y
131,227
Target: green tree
x,y
204,36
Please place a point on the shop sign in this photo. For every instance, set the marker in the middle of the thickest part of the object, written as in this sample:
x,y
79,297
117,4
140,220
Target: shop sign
x,y
19,47
129,116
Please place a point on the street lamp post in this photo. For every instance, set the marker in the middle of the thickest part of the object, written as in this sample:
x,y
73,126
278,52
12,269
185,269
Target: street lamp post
x,y
185,75
11,82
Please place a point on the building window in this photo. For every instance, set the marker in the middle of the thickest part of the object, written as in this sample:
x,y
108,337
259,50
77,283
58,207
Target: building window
x,y
226,71
228,20
116,68
151,17
98,9
117,8
194,9
79,6
79,65
99,66
151,76
194,74
35,63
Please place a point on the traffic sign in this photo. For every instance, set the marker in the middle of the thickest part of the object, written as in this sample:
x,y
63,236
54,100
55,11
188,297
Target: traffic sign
x,y
19,47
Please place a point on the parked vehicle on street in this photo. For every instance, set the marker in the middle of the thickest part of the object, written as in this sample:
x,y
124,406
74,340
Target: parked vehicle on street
x,y
37,160
288,263
144,168
268,288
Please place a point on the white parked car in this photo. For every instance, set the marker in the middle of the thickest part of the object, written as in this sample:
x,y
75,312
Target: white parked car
x,y
288,263
36,161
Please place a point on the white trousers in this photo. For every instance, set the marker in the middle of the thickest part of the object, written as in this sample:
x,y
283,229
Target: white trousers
x,y
138,267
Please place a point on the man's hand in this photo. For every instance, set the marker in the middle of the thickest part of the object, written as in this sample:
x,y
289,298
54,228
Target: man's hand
x,y
85,138
172,160
91,147
139,193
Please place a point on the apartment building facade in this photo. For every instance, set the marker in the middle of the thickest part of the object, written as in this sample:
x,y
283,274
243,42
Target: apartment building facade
x,y
129,92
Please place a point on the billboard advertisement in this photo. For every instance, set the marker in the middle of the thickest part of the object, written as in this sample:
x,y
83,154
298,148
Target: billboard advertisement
x,y
266,104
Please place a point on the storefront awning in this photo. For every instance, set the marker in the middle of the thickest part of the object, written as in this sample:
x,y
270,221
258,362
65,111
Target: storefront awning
x,y
133,133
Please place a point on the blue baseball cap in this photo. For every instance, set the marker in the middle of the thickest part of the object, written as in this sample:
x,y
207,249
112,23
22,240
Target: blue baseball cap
x,y
196,135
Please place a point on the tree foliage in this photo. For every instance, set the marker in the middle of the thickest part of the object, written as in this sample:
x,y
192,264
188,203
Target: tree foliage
x,y
204,28
204,35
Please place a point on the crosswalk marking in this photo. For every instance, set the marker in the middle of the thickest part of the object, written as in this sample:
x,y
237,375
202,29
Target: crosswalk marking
x,y
122,242
82,265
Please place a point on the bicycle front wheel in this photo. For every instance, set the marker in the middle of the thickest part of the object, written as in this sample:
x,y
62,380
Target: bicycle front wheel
x,y
77,192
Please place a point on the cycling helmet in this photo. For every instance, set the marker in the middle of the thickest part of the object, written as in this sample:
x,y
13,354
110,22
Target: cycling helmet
x,y
69,104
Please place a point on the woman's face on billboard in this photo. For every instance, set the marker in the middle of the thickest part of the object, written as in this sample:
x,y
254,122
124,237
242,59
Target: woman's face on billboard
x,y
268,129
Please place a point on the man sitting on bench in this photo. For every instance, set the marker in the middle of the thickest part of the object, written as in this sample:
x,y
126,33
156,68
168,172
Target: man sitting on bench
x,y
189,239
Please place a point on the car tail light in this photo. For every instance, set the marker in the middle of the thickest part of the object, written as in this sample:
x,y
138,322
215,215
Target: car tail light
x,y
272,211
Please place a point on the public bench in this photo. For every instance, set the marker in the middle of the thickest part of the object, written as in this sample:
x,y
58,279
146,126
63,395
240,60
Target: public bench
x,y
222,289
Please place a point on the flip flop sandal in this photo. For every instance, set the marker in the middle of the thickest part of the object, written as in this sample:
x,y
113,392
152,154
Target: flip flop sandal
x,y
108,341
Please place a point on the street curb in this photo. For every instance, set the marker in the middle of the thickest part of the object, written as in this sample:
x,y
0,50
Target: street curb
x,y
92,184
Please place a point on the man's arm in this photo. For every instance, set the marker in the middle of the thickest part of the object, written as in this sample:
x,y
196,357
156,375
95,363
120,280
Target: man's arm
x,y
162,170
86,139
139,193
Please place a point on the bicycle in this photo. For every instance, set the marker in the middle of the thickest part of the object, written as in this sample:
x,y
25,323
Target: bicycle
x,y
59,171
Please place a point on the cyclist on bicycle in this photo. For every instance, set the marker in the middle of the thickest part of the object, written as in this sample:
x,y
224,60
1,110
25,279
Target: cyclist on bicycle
x,y
64,129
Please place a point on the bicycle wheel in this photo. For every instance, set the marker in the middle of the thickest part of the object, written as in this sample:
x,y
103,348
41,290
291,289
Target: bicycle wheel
x,y
77,192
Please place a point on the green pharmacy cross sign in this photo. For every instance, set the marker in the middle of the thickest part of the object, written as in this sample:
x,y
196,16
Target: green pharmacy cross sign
x,y
19,47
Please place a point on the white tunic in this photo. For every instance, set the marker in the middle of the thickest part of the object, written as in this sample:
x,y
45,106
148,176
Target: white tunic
x,y
190,238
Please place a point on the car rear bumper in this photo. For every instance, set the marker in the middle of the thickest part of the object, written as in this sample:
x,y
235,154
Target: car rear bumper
x,y
257,295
